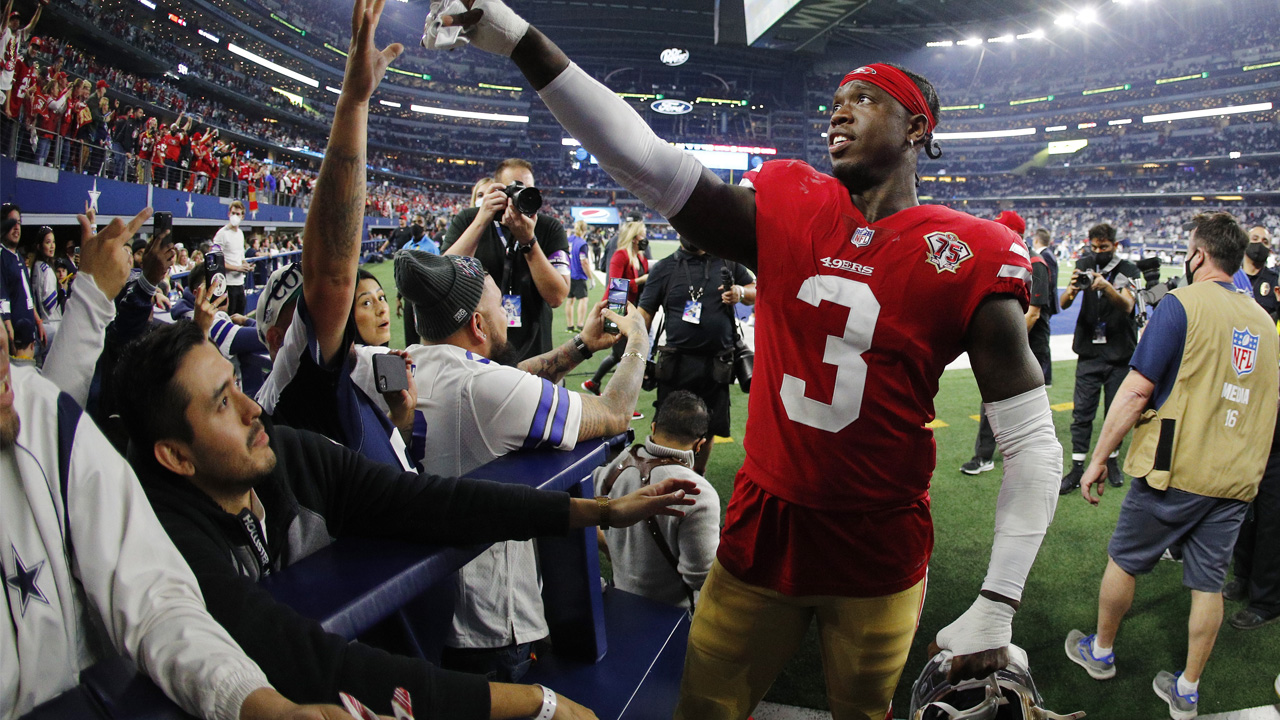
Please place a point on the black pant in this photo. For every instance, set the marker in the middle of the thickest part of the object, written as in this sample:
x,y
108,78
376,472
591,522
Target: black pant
x,y
1093,377
607,364
696,373
984,448
1257,550
235,300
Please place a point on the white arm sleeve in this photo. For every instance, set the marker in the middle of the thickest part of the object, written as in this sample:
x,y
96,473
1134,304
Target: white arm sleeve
x,y
80,339
143,589
657,173
1023,427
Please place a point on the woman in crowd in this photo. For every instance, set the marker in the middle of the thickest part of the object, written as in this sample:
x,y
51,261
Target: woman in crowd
x,y
371,312
628,262
48,296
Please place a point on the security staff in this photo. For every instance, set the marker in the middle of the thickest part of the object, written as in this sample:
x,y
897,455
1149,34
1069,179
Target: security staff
x,y
700,332
1106,334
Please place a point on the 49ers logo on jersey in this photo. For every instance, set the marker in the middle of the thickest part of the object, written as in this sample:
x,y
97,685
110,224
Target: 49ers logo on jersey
x,y
946,251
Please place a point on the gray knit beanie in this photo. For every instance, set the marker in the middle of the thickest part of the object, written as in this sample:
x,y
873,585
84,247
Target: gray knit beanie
x,y
444,290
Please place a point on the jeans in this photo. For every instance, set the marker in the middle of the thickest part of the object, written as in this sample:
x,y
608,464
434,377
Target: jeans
x,y
505,664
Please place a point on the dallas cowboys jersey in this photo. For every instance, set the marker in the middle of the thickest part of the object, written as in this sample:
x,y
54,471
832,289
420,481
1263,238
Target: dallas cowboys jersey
x,y
476,411
855,323
102,552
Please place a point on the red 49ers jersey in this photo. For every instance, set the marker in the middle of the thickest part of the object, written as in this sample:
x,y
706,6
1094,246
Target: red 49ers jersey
x,y
855,323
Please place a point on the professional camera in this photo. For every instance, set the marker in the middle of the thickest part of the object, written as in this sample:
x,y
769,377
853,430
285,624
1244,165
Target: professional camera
x,y
1154,292
527,200
1084,279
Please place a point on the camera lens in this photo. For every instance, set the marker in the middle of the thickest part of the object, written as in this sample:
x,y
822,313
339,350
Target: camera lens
x,y
528,200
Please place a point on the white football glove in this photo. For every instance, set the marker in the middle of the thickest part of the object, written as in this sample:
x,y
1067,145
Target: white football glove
x,y
498,30
436,36
986,625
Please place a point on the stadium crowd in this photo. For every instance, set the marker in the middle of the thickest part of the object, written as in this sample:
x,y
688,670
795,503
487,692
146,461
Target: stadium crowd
x,y
192,447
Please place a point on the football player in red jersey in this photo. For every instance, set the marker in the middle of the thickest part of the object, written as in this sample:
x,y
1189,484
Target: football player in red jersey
x,y
864,297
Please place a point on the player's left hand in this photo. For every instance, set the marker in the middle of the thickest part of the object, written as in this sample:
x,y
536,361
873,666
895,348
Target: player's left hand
x,y
1093,475
488,25
593,333
979,639
658,499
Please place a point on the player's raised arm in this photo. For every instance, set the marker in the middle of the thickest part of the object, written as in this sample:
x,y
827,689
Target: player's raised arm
x,y
1017,405
715,216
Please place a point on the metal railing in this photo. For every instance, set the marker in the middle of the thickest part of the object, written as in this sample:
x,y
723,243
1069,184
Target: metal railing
x,y
25,143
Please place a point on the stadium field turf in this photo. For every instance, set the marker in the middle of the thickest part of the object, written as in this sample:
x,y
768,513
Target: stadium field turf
x,y
1061,592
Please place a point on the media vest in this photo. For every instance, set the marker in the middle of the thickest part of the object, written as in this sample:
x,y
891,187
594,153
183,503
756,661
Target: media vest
x,y
1212,435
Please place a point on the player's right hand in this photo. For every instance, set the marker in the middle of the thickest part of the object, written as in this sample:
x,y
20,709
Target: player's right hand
x,y
489,25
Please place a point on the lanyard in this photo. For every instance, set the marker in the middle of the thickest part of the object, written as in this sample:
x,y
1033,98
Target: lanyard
x,y
706,269
508,260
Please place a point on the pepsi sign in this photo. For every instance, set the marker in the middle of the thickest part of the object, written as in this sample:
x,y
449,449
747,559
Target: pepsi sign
x,y
596,215
672,107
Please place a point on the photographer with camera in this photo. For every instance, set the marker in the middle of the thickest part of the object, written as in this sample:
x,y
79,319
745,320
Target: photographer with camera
x,y
1106,334
697,293
526,253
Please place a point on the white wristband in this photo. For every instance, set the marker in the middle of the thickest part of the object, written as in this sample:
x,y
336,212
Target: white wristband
x,y
548,710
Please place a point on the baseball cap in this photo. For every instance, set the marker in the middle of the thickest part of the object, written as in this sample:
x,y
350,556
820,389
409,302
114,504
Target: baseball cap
x,y
444,290
101,84
1013,221
137,245
282,288
24,332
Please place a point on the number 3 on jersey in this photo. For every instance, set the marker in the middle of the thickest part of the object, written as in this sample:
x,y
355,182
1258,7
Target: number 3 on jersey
x,y
844,352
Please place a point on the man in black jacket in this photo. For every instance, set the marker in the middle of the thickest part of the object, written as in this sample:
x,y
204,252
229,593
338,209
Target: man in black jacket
x,y
242,499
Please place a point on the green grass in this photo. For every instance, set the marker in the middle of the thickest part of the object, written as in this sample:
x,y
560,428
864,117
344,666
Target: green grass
x,y
1061,593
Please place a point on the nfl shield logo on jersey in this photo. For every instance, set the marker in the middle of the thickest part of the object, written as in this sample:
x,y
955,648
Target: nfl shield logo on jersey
x,y
946,251
1244,350
862,237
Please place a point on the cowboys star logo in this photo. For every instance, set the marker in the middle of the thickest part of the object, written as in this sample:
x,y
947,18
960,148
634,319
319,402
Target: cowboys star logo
x,y
946,251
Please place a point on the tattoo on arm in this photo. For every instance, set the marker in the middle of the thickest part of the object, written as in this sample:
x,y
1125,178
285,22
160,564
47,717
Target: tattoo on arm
x,y
610,413
337,207
553,365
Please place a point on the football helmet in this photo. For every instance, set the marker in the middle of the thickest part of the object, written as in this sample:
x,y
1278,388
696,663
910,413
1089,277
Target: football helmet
x,y
1007,694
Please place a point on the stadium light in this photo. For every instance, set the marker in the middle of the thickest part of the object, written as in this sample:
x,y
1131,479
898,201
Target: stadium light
x,y
333,89
1125,121
940,43
1086,125
446,112
1055,128
984,134
1065,20
209,36
970,41
1087,16
1234,154
148,3
1210,112
388,103
1001,39
255,58
1036,34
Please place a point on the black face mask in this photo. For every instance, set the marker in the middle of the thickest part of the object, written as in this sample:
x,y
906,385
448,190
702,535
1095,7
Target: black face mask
x,y
1103,258
418,230
687,247
1190,274
642,244
1258,254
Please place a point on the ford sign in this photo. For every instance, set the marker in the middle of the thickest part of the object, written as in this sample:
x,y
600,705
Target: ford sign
x,y
672,107
674,56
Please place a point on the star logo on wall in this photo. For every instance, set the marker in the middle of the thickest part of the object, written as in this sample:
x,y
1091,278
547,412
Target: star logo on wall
x,y
190,204
93,195
25,581
290,214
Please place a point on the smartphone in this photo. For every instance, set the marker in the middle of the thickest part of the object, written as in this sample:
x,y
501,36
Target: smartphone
x,y
162,224
619,288
389,373
215,269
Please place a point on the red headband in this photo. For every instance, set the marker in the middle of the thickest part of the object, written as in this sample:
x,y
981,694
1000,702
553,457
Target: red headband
x,y
896,83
